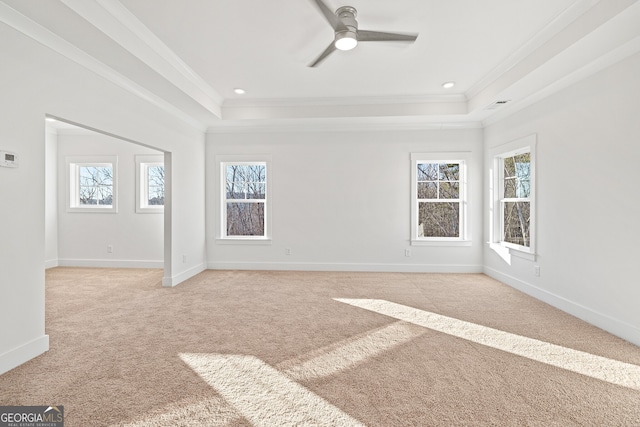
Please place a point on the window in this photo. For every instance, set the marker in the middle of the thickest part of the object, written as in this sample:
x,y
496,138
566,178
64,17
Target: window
x,y
92,184
439,198
513,194
150,184
245,200
515,203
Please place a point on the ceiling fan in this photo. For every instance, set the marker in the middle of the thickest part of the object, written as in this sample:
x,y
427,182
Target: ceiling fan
x,y
347,34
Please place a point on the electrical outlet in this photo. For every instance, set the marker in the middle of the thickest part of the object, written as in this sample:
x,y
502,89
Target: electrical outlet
x,y
536,270
407,252
109,249
287,251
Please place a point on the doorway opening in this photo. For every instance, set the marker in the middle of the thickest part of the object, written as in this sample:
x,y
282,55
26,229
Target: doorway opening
x,y
107,199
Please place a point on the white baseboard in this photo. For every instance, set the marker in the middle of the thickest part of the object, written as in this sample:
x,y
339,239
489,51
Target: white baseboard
x,y
614,326
19,355
52,263
110,263
380,268
181,277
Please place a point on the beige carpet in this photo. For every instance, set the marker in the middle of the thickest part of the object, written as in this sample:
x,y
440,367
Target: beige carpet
x,y
233,348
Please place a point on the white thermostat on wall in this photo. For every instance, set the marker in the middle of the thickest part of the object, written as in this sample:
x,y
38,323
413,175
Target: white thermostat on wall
x,y
8,159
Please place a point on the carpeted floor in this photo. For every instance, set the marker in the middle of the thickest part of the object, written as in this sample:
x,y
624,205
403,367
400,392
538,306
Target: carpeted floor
x,y
242,348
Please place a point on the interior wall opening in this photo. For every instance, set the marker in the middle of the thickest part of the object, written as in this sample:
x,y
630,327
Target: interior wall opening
x,y
106,201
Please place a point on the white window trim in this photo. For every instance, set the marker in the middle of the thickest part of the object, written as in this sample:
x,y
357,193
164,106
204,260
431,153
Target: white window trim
x,y
464,158
142,182
221,161
519,146
73,163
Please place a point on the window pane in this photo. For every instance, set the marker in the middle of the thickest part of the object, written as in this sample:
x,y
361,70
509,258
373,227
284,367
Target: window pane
x,y
245,219
517,174
449,190
96,185
516,223
521,164
88,196
235,173
438,219
509,167
255,173
427,171
235,190
156,196
523,189
256,190
155,176
246,181
450,171
93,175
427,190
510,188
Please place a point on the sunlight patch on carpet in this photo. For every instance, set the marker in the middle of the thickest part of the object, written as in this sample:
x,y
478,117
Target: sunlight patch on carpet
x,y
348,353
262,394
601,368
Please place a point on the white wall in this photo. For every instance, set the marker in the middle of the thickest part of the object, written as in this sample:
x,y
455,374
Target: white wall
x,y
341,201
51,199
35,81
136,238
587,199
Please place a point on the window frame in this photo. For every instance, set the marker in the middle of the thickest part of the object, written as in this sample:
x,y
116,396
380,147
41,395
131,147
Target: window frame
x,y
461,158
143,162
222,161
73,165
498,154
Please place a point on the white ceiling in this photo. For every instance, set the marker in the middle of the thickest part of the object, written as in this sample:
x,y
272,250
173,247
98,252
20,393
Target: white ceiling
x,y
189,55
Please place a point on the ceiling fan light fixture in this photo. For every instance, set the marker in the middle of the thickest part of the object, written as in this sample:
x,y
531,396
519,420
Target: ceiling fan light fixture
x,y
346,40
346,32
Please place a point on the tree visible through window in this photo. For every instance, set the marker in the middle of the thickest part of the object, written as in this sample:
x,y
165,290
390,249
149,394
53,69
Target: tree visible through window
x,y
155,185
516,203
512,213
438,194
245,198
95,185
150,183
92,184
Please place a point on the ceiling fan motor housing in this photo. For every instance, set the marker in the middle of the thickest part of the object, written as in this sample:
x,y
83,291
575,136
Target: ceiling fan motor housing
x,y
348,16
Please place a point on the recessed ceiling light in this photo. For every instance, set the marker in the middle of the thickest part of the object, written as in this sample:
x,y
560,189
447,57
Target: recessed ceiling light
x,y
239,91
448,85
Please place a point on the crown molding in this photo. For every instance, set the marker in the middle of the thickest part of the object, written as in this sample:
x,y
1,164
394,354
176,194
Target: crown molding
x,y
552,29
616,55
341,125
117,22
344,101
308,108
37,32
612,42
555,51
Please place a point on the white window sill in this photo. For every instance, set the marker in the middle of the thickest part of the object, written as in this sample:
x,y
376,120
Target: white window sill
x,y
440,242
500,248
243,241
150,210
93,210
